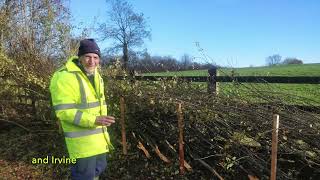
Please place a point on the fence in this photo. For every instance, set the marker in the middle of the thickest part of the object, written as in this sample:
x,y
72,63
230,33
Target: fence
x,y
212,79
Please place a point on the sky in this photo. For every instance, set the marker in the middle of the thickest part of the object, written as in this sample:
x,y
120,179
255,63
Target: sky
x,y
234,33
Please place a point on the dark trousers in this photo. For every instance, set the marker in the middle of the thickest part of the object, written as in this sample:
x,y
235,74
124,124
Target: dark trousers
x,y
88,168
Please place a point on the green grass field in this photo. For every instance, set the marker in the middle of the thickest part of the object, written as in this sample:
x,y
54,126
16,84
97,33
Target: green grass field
x,y
279,70
302,94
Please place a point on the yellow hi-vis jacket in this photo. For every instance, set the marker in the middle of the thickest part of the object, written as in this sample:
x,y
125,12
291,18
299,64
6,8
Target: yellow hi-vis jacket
x,y
77,104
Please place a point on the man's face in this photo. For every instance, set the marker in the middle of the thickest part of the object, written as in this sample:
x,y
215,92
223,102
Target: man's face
x,y
90,61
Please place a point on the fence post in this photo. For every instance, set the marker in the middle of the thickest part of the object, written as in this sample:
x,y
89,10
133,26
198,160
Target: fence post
x,y
217,84
123,130
212,83
274,149
180,127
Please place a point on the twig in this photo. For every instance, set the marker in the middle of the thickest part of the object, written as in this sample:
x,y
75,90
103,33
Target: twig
x,y
311,162
162,157
211,169
17,124
140,146
145,151
209,156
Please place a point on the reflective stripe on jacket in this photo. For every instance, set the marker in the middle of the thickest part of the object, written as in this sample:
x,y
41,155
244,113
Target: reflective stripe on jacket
x,y
76,105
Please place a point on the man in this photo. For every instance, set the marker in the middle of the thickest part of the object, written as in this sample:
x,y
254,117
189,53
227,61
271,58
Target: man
x,y
77,93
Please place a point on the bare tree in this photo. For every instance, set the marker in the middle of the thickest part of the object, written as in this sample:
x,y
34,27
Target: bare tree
x,y
126,27
185,61
273,60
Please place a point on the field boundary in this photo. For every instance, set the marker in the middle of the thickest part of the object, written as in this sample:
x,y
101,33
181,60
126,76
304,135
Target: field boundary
x,y
242,79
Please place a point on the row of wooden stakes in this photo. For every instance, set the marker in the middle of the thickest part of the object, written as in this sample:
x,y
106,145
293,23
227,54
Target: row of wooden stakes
x,y
182,163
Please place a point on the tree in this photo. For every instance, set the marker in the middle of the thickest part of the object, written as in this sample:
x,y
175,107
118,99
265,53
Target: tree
x,y
186,61
273,60
126,27
35,30
34,34
292,61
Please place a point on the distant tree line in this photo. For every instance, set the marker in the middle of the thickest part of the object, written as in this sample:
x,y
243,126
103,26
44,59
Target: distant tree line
x,y
145,63
276,59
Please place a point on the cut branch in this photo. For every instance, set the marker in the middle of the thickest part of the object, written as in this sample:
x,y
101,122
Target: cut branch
x,y
17,124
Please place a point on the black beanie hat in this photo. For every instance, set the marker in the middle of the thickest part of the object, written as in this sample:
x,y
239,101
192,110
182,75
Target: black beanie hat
x,y
88,46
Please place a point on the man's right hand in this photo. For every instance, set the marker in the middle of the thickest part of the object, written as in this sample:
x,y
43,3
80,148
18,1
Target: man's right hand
x,y
104,120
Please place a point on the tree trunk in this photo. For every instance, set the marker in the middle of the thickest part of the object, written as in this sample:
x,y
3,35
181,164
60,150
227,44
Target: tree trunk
x,y
125,56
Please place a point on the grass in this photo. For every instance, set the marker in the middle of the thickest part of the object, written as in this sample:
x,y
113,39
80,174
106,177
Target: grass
x,y
302,94
294,94
279,70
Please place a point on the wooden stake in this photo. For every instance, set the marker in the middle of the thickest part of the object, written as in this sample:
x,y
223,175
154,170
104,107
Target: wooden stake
x,y
180,127
123,129
274,150
173,151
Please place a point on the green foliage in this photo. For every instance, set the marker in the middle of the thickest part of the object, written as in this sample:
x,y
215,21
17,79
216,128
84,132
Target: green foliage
x,y
245,140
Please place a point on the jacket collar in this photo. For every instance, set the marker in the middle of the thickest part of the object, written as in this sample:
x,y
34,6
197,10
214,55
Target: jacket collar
x,y
72,67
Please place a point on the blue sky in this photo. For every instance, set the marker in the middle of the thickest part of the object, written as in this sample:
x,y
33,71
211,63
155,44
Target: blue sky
x,y
235,33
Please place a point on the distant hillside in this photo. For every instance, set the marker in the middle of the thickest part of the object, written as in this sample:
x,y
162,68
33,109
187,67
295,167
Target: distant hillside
x,y
279,70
